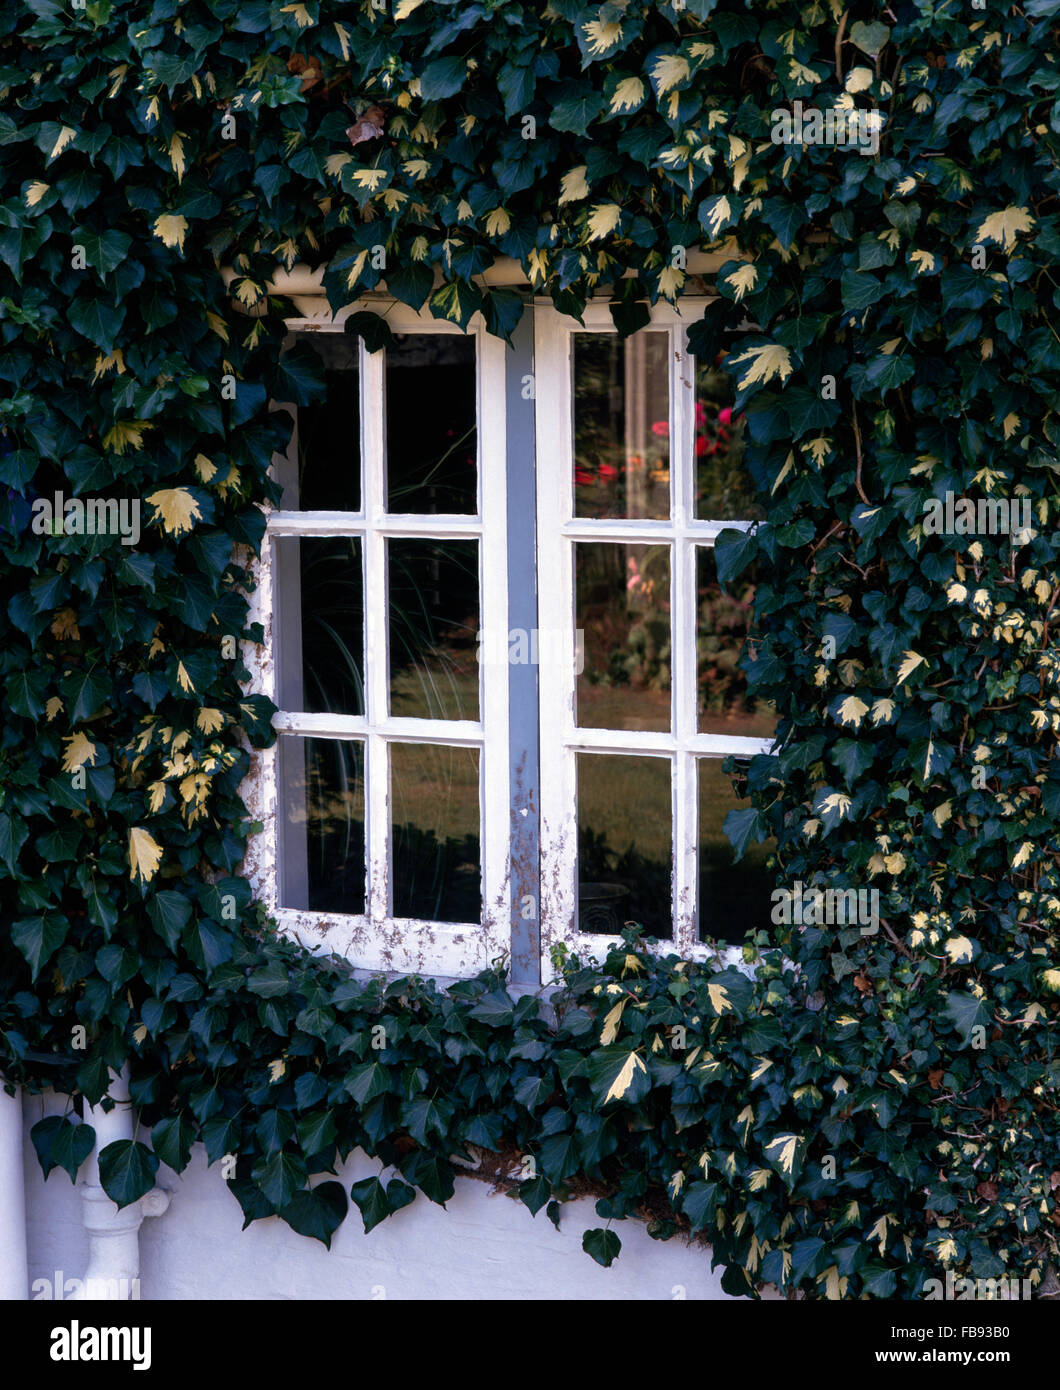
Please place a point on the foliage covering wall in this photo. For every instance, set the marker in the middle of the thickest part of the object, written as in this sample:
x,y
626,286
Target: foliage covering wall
x,y
871,1111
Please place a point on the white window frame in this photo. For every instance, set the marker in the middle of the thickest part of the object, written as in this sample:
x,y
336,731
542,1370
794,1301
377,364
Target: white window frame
x,y
558,530
377,940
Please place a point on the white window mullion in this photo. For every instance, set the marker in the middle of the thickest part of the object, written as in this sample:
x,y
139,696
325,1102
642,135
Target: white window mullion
x,y
494,781
684,664
376,633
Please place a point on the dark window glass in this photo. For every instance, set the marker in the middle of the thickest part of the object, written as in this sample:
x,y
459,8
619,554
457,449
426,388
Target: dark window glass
x,y
724,487
434,625
328,677
431,435
434,807
329,434
722,621
322,829
625,843
623,611
622,425
734,898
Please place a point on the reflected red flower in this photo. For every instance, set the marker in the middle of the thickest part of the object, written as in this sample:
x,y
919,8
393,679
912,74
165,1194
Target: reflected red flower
x,y
661,427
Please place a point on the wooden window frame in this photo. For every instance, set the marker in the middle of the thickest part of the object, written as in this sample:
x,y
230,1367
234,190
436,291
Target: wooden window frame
x,y
376,939
558,530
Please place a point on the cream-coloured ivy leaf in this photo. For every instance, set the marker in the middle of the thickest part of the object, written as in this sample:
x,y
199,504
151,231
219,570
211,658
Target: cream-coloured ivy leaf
x,y
838,802
103,365
624,1080
171,228
1010,425
404,8
764,1063
126,434
627,96
879,1232
145,854
720,213
184,680
719,998
858,79
176,156
156,795
883,711
923,260
177,508
498,222
1023,854
835,1284
766,362
335,163
810,828
603,219
905,185
369,178
910,662
53,707
204,469
277,1067
79,750
601,36
66,134
668,71
572,186
35,192
959,949
758,1178
941,814
894,863
417,169
670,282
1051,980
610,1029
302,17
956,593
742,279
852,711
1004,226
784,1150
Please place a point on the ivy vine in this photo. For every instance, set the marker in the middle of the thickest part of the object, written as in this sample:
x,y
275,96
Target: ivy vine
x,y
869,1110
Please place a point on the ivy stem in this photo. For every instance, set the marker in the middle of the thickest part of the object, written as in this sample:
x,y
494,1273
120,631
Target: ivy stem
x,y
857,447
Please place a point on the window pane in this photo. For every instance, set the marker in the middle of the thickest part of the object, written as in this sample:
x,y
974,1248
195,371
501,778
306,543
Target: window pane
x,y
434,800
724,705
434,625
431,435
625,843
622,425
328,675
623,610
724,488
734,899
322,832
329,434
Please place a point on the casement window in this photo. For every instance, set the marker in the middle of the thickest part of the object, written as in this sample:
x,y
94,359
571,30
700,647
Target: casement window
x,y
506,674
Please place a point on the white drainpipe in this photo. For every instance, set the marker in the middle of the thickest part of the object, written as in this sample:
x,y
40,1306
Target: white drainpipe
x,y
113,1235
14,1273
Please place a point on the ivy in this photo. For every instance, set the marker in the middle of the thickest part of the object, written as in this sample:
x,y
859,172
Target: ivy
x,y
870,1108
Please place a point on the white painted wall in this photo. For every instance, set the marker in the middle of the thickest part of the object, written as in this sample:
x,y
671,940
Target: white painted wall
x,y
483,1246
